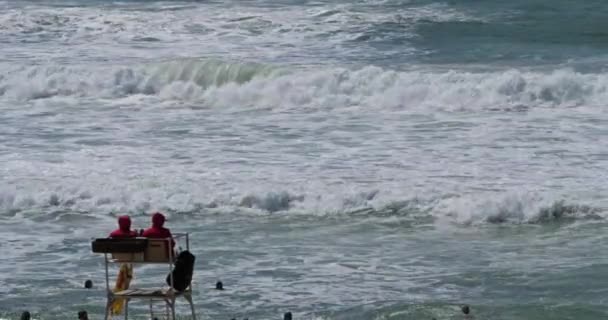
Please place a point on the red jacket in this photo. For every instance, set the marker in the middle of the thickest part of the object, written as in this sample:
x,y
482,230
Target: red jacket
x,y
124,230
157,230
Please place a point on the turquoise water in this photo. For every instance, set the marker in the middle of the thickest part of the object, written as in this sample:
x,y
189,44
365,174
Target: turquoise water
x,y
338,160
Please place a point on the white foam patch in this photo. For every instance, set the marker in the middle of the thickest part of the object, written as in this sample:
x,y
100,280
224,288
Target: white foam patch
x,y
382,89
513,207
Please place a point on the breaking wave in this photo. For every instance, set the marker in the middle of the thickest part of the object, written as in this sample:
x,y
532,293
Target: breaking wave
x,y
40,82
461,210
215,83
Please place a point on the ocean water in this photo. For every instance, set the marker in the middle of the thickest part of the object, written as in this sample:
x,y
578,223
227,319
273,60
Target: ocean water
x,y
371,159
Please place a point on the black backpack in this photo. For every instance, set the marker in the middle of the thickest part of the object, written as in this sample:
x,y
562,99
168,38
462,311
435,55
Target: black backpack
x,y
182,271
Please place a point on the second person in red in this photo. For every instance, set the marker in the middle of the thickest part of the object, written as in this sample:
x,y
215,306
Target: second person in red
x,y
158,230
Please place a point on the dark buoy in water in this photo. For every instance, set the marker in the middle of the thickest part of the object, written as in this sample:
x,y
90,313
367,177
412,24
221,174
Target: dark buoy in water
x,y
25,315
466,309
287,316
88,284
219,286
83,315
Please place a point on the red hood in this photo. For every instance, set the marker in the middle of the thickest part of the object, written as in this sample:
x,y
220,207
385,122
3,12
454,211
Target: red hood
x,y
158,220
124,222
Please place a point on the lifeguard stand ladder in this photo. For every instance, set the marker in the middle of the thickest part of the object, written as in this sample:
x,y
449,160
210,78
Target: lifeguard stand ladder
x,y
143,251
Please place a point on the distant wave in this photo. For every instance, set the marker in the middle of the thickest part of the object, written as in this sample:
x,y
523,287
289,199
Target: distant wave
x,y
461,210
215,83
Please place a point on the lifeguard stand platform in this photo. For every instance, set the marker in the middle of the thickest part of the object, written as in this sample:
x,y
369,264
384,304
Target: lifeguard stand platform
x,y
137,251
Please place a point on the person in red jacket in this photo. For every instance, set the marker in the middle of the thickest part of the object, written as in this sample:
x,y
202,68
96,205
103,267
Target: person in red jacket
x,y
157,230
126,269
124,229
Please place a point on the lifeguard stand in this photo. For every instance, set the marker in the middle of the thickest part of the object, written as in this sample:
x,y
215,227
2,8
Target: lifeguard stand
x,y
136,251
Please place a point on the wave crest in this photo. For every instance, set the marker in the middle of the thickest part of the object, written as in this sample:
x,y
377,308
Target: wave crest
x,y
214,83
461,210
514,208
38,82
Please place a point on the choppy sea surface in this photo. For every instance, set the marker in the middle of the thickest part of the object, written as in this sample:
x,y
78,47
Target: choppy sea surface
x,y
378,159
